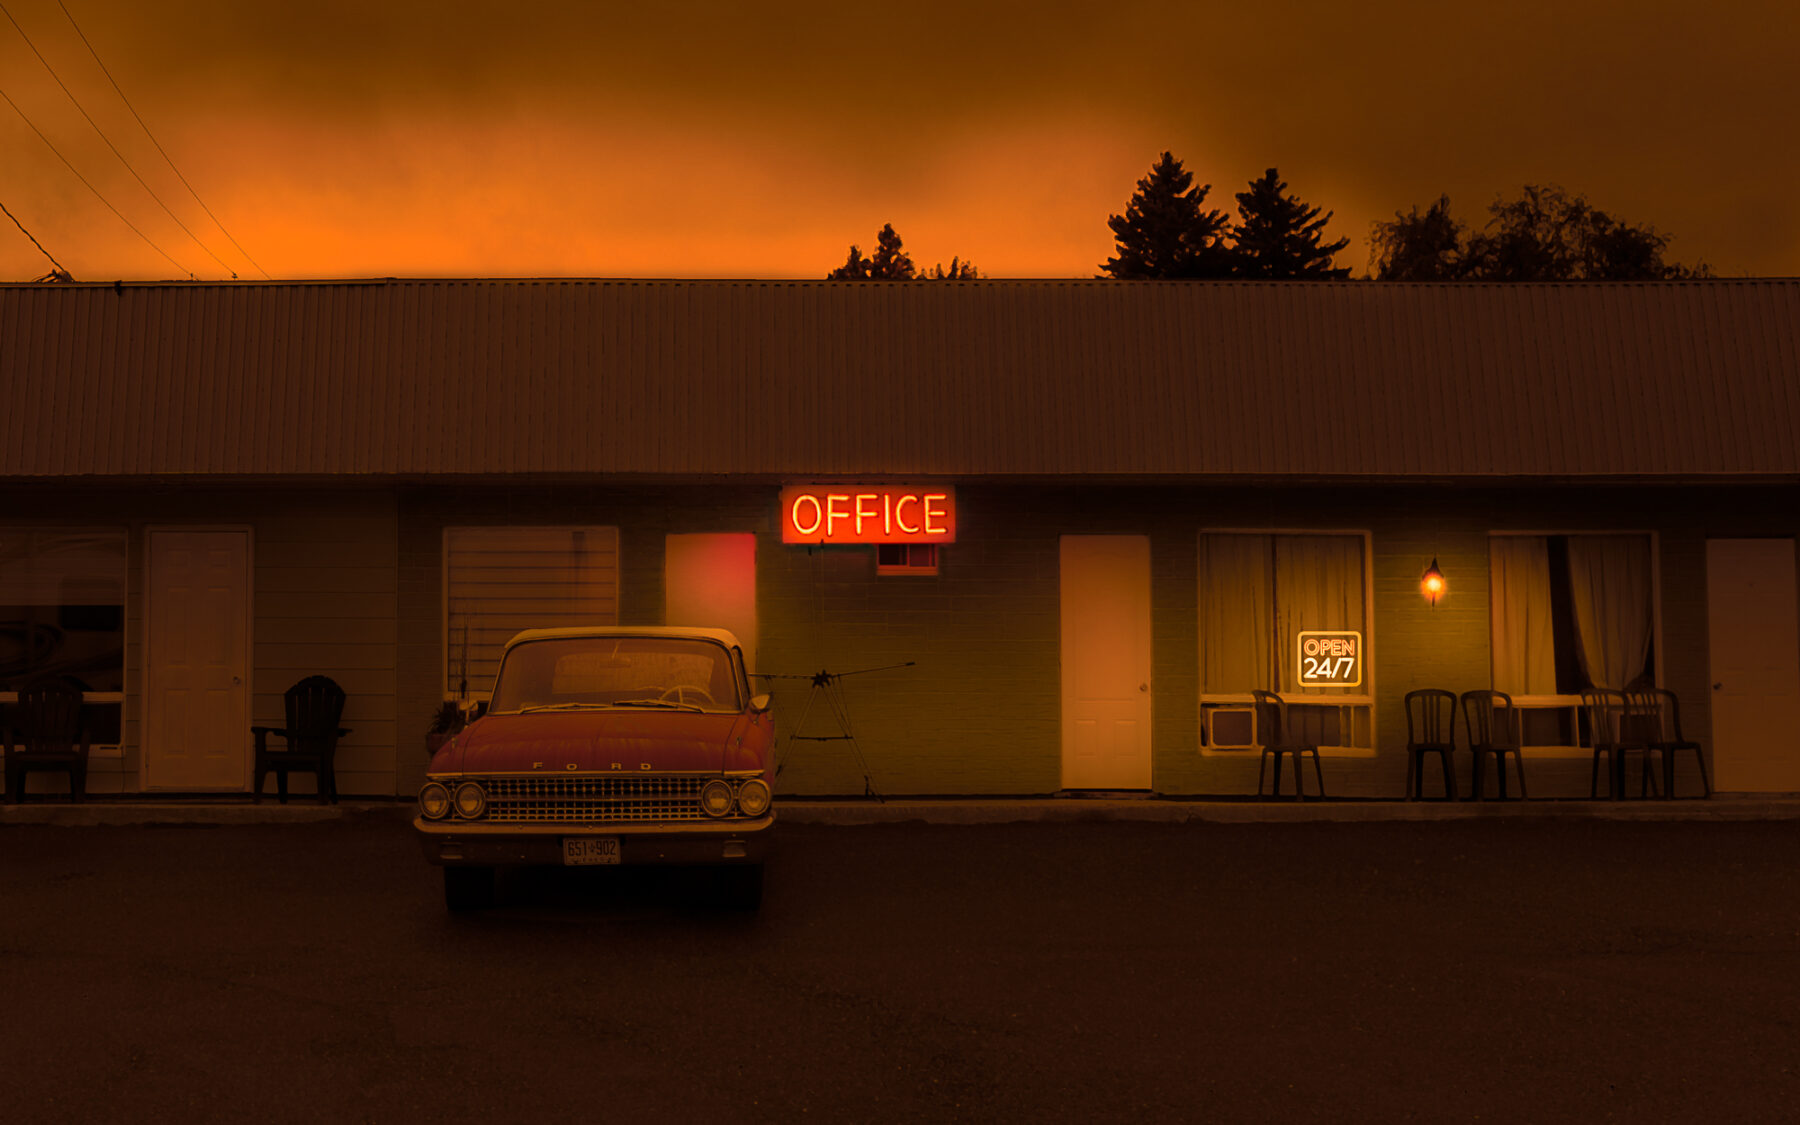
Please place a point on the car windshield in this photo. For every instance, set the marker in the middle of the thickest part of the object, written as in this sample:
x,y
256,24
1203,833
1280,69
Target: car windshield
x,y
577,673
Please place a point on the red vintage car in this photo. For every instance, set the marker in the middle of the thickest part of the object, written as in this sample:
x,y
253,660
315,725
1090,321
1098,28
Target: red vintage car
x,y
615,745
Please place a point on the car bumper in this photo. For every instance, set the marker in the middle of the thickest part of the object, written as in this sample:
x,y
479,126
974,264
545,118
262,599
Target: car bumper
x,y
501,845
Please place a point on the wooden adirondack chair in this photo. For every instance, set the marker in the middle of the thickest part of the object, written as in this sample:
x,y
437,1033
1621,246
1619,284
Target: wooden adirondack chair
x,y
46,732
314,707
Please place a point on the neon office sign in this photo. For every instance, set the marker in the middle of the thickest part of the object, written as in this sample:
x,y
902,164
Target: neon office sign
x,y
837,513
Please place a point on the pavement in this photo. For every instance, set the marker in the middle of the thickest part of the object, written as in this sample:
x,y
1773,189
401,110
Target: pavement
x,y
128,811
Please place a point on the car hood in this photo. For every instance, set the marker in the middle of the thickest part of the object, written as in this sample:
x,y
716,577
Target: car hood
x,y
632,741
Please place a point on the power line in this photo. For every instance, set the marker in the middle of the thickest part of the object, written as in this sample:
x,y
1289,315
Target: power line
x,y
115,150
36,243
159,148
91,187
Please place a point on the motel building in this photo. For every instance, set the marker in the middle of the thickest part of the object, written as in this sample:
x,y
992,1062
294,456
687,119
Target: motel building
x,y
1059,530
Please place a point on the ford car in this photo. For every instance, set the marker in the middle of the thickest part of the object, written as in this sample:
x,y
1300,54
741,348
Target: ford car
x,y
603,746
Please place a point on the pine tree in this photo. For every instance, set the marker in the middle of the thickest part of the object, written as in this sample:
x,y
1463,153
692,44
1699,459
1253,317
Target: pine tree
x,y
1277,236
890,262
1164,233
959,271
855,267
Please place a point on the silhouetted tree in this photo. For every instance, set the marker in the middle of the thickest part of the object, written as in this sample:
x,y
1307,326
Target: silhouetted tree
x,y
1415,247
892,263
1277,236
1164,233
959,271
1543,235
855,267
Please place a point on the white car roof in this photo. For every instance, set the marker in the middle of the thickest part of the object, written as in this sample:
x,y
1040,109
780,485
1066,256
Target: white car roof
x,y
723,636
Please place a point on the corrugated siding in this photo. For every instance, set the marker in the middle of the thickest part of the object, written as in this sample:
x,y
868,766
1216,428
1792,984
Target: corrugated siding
x,y
973,379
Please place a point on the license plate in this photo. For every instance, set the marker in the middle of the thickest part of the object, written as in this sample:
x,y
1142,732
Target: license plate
x,y
583,851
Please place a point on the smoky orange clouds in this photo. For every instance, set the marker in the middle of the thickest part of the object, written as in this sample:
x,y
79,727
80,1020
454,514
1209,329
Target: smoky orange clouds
x,y
708,139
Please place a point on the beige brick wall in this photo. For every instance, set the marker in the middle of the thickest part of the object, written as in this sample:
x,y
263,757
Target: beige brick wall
x,y
348,582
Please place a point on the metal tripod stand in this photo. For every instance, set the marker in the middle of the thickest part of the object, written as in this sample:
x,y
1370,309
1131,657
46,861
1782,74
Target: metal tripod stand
x,y
825,685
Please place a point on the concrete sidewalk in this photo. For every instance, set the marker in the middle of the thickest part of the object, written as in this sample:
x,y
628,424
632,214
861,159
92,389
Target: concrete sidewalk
x,y
133,811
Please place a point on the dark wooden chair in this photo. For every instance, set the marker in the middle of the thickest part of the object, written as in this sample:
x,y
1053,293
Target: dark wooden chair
x,y
314,707
46,732
1494,730
1430,729
1274,735
1656,713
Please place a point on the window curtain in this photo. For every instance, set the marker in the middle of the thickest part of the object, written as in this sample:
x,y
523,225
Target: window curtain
x,y
1609,584
1236,613
1318,585
1523,640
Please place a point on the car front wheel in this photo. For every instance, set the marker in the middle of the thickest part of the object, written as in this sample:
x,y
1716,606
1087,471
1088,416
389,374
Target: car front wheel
x,y
468,888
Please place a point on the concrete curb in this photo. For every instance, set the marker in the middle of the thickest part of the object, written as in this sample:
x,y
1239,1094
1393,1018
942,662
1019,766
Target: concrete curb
x,y
94,813
1272,812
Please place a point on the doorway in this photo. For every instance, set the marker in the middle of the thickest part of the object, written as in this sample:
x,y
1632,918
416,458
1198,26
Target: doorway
x,y
1105,661
1754,643
196,660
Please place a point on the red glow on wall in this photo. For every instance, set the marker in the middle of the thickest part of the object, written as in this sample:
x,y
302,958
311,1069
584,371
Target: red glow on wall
x,y
837,513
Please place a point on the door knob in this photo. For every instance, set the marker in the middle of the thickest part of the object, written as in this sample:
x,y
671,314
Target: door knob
x,y
237,681
1143,687
1716,687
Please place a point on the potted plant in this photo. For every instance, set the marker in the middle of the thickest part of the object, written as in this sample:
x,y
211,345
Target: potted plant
x,y
445,722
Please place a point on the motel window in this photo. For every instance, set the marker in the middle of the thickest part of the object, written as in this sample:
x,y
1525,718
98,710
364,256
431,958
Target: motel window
x,y
1261,596
906,558
62,617
1571,611
499,581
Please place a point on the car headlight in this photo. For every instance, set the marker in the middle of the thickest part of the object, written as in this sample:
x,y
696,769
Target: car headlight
x,y
471,800
434,801
715,798
753,797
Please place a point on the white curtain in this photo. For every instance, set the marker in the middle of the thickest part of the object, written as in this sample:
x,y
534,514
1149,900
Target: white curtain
x,y
1236,613
1318,585
1609,580
1524,650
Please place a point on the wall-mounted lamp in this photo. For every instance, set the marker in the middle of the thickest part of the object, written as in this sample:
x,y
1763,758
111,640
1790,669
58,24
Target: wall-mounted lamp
x,y
1432,584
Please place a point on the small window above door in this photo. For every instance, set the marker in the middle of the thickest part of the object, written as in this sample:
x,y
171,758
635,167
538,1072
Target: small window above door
x,y
906,558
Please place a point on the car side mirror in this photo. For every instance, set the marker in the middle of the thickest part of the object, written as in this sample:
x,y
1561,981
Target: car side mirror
x,y
759,703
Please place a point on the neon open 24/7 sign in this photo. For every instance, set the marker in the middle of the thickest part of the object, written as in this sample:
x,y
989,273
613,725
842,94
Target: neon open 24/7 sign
x,y
840,513
1330,659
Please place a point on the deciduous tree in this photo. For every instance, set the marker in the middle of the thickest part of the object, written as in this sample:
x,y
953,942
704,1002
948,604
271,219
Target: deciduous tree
x,y
1544,234
1415,247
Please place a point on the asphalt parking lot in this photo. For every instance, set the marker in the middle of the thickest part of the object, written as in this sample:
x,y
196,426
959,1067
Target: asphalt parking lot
x,y
1535,970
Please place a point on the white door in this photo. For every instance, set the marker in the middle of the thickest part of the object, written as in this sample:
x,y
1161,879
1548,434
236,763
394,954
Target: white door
x,y
710,581
1106,661
196,664
1754,640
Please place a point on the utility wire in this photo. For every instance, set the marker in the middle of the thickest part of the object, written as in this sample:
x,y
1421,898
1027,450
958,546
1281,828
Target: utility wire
x,y
91,187
157,143
115,149
36,243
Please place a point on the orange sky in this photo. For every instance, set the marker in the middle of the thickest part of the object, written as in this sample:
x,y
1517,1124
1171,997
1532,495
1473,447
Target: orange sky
x,y
471,137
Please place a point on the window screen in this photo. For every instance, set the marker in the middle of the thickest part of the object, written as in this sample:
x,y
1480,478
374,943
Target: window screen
x,y
499,581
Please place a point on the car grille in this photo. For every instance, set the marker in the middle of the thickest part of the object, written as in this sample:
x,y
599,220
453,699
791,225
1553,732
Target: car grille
x,y
621,800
